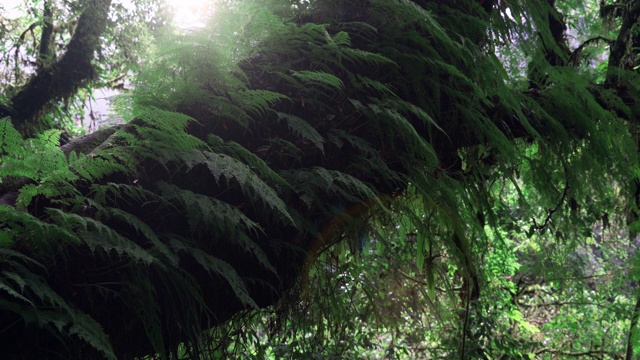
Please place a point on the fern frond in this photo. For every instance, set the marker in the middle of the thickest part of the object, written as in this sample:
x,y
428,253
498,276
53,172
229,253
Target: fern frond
x,y
358,56
32,285
10,139
113,191
341,38
303,129
339,136
254,162
39,159
163,137
93,167
45,307
377,86
224,166
229,110
90,331
98,235
42,235
312,183
319,78
144,303
142,228
47,189
393,122
4,286
285,148
202,209
217,267
257,102
409,108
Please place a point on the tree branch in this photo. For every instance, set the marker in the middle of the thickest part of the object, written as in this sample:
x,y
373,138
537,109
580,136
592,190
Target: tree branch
x,y
62,78
591,353
632,325
619,47
576,55
44,51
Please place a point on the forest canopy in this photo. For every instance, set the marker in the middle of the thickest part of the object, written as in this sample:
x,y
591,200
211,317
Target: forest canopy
x,y
321,179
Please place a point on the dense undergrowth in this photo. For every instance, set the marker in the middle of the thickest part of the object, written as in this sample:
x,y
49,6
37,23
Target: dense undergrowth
x,y
334,179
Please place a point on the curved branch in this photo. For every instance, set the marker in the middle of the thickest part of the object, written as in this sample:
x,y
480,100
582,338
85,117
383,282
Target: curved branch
x,y
574,59
44,51
619,47
551,211
63,77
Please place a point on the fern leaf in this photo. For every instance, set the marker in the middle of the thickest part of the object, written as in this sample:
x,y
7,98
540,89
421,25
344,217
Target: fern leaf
x,y
87,329
379,87
311,183
254,162
220,268
10,139
94,167
365,57
410,108
319,78
13,257
44,236
202,209
144,304
122,191
223,166
12,292
144,229
303,129
98,235
256,101
341,39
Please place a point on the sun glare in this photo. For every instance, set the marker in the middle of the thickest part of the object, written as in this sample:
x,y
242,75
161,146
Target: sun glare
x,y
186,13
11,8
190,13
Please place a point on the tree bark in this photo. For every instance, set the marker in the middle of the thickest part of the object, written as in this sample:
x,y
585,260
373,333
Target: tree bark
x,y
61,79
620,47
632,328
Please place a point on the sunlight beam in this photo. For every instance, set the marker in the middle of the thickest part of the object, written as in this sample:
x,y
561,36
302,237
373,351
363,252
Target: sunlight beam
x,y
190,13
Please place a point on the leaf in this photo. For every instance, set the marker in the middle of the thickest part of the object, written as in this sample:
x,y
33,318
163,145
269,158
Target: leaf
x,y
98,235
431,285
12,292
144,229
87,329
205,212
256,101
10,139
320,78
220,268
224,166
303,129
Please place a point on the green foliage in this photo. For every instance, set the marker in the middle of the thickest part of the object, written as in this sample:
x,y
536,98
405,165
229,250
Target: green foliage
x,y
31,296
56,232
379,149
37,36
